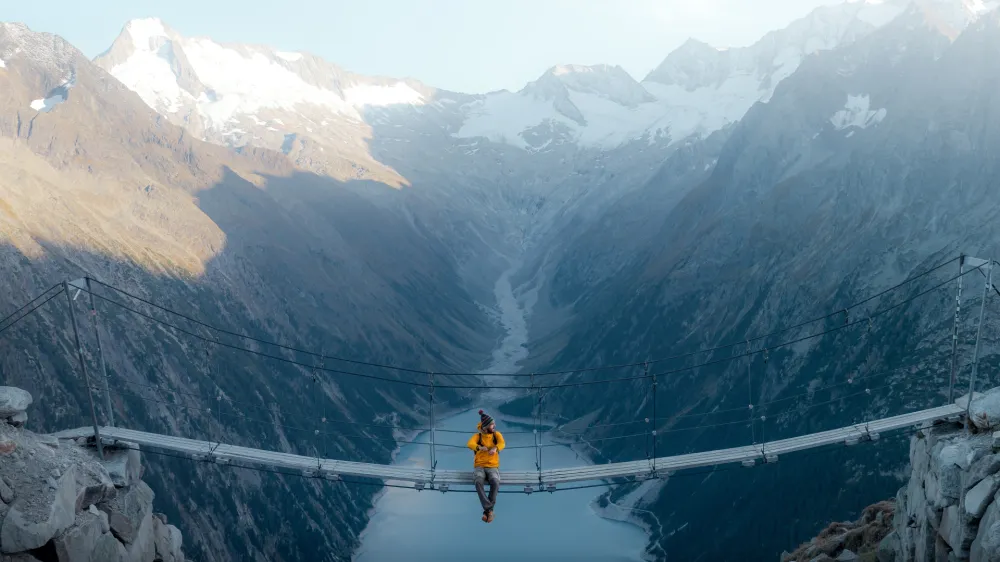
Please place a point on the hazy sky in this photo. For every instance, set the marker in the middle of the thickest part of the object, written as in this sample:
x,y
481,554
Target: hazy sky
x,y
465,45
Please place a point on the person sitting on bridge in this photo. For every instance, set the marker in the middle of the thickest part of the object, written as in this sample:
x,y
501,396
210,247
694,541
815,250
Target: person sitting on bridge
x,y
487,444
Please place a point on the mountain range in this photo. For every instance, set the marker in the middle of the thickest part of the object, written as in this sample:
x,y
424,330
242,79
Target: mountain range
x,y
728,193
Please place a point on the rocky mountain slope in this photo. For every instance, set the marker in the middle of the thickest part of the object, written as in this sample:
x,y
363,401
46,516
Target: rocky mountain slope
x,y
869,164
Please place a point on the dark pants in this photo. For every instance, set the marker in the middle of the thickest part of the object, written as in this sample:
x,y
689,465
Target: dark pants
x,y
493,475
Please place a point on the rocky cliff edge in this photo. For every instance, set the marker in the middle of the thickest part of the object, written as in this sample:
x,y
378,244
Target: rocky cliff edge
x,y
948,511
60,502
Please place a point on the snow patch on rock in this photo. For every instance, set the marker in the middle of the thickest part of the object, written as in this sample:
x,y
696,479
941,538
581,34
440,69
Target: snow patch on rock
x,y
858,113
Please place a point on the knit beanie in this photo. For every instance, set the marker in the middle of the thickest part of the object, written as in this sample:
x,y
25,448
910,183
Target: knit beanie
x,y
484,419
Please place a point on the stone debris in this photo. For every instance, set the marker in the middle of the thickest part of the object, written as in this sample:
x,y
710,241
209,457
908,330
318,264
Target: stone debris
x,y
33,520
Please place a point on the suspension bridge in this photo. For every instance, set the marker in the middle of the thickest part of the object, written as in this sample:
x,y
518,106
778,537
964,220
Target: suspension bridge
x,y
757,451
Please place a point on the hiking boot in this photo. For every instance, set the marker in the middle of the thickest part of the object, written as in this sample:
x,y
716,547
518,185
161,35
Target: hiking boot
x,y
486,517
489,516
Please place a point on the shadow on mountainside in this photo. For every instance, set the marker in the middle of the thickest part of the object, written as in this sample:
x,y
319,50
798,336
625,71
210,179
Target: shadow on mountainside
x,y
308,261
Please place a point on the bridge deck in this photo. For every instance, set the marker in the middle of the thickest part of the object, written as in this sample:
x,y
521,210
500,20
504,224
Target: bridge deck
x,y
328,468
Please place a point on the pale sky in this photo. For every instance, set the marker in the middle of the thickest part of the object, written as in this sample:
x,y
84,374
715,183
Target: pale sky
x,y
472,46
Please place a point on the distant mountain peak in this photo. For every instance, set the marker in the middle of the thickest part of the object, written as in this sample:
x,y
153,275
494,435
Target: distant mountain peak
x,y
214,89
143,30
603,80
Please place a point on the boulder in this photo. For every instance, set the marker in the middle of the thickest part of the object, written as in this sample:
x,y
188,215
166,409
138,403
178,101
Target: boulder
x,y
963,400
105,526
94,485
949,523
958,529
986,546
123,465
127,512
143,546
846,556
986,466
918,455
888,548
108,549
168,541
78,542
29,526
13,401
981,495
944,480
18,419
985,410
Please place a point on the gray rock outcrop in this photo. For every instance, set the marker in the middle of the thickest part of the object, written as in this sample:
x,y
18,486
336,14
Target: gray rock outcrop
x,y
57,497
949,510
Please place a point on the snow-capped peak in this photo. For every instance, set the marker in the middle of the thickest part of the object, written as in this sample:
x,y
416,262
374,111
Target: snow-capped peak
x,y
144,31
565,85
221,85
607,81
697,89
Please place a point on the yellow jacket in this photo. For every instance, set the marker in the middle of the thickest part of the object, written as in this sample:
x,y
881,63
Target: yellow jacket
x,y
490,440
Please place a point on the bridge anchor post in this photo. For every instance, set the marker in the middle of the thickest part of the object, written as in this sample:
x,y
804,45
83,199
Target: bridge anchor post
x,y
83,369
979,331
81,283
954,335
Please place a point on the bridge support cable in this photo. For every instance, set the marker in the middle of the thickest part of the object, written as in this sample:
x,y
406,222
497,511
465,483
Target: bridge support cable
x,y
653,384
954,335
321,435
544,387
83,370
244,337
536,420
536,415
648,430
869,411
430,396
218,397
763,418
979,331
538,441
753,431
